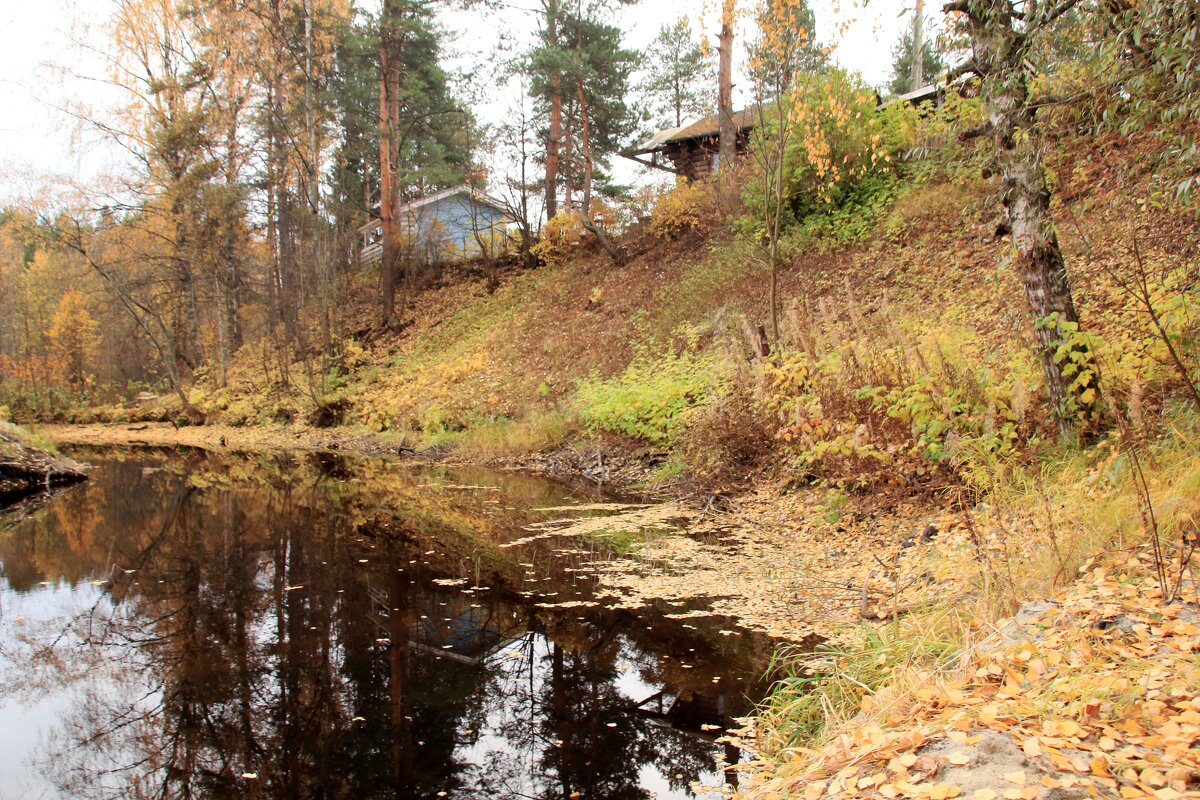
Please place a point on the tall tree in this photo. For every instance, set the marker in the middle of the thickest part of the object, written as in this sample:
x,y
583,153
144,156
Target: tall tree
x,y
599,69
727,131
355,165
547,62
918,45
677,80
1001,36
906,70
423,132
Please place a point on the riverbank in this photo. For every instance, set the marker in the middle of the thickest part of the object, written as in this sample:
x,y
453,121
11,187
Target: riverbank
x,y
925,684
29,465
221,437
776,562
1053,654
1093,694
608,465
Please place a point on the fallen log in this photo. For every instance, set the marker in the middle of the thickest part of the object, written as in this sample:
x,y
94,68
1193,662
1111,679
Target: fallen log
x,y
27,469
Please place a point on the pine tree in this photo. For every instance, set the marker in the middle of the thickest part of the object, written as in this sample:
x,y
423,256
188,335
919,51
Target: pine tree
x,y
932,63
423,132
678,77
598,70
576,46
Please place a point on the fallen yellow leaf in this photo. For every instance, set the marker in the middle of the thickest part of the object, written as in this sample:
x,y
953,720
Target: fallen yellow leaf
x,y
1017,777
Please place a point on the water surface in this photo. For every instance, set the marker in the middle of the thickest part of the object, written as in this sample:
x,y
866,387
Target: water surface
x,y
208,626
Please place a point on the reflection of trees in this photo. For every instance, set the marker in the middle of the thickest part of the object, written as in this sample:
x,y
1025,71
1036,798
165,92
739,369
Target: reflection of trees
x,y
247,639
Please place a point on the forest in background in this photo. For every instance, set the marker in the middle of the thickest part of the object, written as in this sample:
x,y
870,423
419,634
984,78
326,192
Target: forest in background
x,y
260,137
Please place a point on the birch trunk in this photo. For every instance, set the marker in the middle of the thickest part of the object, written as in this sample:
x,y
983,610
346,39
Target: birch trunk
x,y
1000,49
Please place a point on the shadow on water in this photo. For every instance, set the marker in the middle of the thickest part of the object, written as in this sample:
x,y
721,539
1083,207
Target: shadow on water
x,y
189,624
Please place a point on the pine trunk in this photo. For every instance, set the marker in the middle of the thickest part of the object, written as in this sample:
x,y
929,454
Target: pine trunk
x,y
614,251
387,192
727,130
554,136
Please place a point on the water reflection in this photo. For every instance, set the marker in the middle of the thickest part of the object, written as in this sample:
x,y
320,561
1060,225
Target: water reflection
x,y
191,625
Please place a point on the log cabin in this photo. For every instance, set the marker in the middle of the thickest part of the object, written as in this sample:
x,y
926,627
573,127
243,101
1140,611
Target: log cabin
x,y
691,150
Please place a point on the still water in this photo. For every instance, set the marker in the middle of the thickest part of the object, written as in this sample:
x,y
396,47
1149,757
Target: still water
x,y
205,625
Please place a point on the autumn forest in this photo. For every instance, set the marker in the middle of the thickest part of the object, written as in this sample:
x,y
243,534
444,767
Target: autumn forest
x,y
801,397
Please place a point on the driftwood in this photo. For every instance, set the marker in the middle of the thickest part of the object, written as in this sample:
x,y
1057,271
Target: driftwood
x,y
26,469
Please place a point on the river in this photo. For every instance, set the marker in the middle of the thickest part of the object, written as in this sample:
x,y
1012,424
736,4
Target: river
x,y
204,625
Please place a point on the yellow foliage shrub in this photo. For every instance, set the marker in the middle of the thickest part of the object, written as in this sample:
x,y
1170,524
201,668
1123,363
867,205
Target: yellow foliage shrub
x,y
684,209
561,235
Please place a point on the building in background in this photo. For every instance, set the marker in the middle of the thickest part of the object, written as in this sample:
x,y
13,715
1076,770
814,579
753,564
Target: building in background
x,y
453,225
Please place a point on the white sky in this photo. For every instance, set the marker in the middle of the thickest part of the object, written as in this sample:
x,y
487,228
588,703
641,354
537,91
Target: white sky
x,y
40,143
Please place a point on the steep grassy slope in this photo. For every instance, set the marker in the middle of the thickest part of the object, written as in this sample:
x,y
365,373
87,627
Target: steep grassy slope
x,y
905,336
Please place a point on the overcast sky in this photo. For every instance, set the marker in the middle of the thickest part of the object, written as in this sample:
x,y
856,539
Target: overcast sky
x,y
38,139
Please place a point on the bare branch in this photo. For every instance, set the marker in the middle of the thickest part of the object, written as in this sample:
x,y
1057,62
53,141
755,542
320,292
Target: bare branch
x,y
968,67
975,132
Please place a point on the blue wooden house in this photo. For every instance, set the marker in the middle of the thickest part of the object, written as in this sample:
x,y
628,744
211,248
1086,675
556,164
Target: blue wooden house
x,y
456,224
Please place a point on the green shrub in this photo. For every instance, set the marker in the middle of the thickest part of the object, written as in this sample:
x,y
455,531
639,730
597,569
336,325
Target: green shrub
x,y
648,399
857,217
836,139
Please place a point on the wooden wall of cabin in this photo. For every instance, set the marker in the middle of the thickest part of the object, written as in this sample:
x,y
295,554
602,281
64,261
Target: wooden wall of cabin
x,y
693,158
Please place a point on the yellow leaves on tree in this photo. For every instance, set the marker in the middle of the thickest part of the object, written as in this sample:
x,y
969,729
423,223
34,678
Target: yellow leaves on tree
x,y
838,136
75,337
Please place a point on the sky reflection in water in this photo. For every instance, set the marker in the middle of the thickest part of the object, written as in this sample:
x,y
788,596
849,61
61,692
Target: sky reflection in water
x,y
336,628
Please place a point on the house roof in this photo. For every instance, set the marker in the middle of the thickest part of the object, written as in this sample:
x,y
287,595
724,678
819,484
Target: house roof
x,y
431,199
916,96
436,197
743,120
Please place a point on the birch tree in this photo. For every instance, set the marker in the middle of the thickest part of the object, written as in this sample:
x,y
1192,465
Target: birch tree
x,y
1002,32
